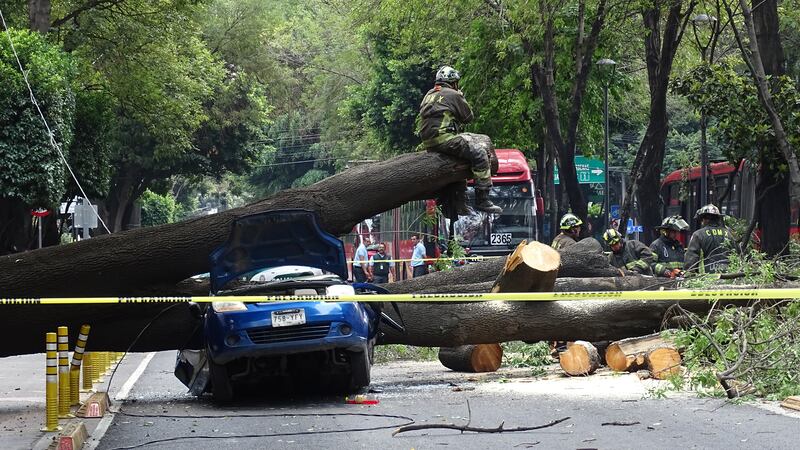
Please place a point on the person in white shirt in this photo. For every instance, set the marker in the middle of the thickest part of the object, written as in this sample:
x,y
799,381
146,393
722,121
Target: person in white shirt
x,y
360,261
418,265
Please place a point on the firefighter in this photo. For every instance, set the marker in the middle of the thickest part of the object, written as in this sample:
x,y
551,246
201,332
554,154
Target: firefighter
x,y
442,115
629,254
668,250
570,230
711,245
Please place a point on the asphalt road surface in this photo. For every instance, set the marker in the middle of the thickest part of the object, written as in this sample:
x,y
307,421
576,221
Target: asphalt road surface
x,y
604,411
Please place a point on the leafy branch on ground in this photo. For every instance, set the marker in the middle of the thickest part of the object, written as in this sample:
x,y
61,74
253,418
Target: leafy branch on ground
x,y
534,356
744,350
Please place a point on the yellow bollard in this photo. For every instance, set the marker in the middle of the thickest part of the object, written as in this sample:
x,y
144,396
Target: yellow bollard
x,y
87,372
51,386
75,367
97,367
63,374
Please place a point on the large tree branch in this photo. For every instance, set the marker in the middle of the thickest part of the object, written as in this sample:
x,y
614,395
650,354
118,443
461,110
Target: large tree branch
x,y
92,4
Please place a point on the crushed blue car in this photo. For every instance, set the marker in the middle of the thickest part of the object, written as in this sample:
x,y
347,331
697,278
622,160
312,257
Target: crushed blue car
x,y
305,342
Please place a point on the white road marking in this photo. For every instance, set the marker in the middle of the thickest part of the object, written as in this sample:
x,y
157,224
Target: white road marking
x,y
122,395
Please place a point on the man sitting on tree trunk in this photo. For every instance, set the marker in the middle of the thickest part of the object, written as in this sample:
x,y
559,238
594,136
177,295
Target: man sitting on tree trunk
x,y
629,254
442,115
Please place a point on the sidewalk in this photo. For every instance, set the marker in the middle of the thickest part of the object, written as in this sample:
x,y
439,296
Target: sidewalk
x,y
22,400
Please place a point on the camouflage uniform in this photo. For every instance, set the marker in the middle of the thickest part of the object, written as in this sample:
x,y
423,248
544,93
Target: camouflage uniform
x,y
443,113
709,249
562,241
669,255
634,256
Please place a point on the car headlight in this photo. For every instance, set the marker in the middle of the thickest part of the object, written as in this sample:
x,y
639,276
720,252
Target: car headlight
x,y
228,306
340,289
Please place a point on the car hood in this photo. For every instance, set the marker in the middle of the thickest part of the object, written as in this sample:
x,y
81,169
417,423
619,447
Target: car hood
x,y
276,238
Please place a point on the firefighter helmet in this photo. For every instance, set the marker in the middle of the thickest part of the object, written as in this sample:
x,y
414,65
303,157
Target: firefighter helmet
x,y
570,220
447,75
612,236
708,210
674,223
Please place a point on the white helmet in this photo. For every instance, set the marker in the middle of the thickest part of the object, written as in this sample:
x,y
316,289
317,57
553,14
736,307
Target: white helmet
x,y
447,75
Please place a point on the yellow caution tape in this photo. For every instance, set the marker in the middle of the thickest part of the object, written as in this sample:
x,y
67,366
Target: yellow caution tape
x,y
672,295
444,258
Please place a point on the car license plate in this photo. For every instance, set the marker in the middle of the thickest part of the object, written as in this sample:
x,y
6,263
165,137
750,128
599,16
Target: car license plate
x,y
288,317
500,239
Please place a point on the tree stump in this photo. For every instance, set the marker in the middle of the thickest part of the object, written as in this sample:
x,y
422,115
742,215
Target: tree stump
x,y
580,358
472,358
530,268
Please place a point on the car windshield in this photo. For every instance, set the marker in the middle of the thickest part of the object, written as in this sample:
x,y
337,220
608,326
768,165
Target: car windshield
x,y
477,229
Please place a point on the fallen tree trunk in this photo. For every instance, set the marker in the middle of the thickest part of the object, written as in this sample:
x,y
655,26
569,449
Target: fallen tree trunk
x,y
120,263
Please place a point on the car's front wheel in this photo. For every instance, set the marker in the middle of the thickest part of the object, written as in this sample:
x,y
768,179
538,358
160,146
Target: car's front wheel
x,y
360,367
221,386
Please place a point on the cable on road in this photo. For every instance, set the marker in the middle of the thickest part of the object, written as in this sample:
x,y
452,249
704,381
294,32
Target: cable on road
x,y
408,421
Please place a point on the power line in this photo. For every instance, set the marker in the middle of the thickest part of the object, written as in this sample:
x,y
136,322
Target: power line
x,y
44,121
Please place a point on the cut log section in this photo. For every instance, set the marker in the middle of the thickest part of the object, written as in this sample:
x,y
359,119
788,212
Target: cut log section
x,y
629,355
792,402
472,358
580,358
530,268
663,362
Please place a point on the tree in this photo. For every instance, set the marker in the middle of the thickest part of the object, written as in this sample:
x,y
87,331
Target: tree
x,y
33,174
660,51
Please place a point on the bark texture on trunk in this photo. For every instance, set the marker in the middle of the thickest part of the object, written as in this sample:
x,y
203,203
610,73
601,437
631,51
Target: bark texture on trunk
x,y
646,171
39,15
774,209
121,263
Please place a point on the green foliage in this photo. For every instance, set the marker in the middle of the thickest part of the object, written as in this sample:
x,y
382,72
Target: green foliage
x,y
395,352
755,346
520,354
157,209
742,125
32,169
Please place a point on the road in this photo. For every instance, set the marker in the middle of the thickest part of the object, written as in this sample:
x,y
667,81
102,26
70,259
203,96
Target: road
x,y
158,413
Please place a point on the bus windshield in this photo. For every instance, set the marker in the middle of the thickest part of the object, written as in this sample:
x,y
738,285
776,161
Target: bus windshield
x,y
499,230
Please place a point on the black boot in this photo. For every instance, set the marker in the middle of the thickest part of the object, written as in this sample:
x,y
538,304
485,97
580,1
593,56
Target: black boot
x,y
483,203
460,202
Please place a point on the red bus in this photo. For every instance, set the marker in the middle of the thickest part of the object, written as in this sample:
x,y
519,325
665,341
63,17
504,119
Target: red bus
x,y
731,188
512,190
480,233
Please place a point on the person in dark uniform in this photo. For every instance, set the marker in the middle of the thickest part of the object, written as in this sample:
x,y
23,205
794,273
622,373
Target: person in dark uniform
x,y
570,225
629,254
711,245
668,250
442,115
380,266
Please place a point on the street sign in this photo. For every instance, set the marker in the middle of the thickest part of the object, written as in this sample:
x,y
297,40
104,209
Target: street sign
x,y
590,170
614,210
85,216
631,228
